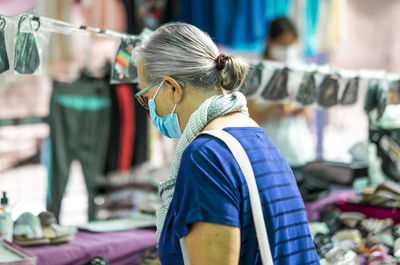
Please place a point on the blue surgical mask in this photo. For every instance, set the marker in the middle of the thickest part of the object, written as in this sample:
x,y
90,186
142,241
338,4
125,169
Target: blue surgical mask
x,y
167,125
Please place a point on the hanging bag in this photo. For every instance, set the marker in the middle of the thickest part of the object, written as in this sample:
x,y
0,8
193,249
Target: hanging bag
x,y
26,58
253,80
307,92
4,64
328,91
277,87
350,93
244,163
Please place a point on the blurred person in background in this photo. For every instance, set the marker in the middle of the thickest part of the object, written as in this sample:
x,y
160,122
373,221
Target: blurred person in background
x,y
287,126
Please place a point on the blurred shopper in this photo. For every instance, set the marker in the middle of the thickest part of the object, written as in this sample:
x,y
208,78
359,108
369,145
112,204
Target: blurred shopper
x,y
287,126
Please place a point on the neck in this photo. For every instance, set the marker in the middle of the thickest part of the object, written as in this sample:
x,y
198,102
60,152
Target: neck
x,y
267,56
192,100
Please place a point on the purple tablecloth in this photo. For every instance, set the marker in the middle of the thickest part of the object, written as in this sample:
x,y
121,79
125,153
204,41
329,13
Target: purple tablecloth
x,y
314,208
118,248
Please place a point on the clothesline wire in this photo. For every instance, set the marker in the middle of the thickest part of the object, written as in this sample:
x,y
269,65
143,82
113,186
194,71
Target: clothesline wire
x,y
83,28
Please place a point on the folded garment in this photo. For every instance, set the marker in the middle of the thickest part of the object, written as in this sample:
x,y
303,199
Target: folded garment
x,y
389,186
348,234
322,243
368,246
383,259
26,242
318,228
370,211
374,226
351,219
396,250
341,256
384,238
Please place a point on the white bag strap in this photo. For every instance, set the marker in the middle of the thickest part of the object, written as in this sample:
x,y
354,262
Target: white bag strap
x,y
244,163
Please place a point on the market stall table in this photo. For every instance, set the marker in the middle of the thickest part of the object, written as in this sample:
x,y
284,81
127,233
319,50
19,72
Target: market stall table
x,y
117,248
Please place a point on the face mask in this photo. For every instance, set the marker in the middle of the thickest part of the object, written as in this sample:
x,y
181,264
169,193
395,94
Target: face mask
x,y
285,53
167,125
4,65
27,58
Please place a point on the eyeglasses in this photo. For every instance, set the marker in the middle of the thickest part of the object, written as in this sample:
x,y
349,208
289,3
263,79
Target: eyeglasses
x,y
144,100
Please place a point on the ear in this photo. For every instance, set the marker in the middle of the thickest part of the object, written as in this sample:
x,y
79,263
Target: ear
x,y
176,89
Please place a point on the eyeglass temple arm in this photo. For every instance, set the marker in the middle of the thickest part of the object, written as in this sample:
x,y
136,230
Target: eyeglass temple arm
x,y
181,83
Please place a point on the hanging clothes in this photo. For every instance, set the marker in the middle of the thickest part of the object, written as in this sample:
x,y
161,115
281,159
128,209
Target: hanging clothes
x,y
238,24
121,145
276,8
141,142
131,16
127,135
79,128
311,11
112,157
331,30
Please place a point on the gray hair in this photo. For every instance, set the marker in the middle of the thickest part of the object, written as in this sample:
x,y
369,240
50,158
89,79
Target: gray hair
x,y
186,53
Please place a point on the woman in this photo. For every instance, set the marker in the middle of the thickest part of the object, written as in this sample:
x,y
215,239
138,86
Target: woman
x,y
189,87
287,126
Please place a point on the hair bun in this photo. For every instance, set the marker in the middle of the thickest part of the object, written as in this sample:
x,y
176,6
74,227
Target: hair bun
x,y
233,72
221,60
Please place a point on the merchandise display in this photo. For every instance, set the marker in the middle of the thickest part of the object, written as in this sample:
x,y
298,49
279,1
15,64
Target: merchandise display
x,y
365,228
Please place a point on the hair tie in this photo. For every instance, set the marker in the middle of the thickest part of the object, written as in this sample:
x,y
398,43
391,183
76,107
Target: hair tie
x,y
221,59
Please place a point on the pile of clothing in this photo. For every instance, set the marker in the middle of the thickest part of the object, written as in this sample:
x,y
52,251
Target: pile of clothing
x,y
362,230
124,194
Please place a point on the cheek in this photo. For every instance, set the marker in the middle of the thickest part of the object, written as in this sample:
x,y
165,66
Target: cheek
x,y
161,109
162,106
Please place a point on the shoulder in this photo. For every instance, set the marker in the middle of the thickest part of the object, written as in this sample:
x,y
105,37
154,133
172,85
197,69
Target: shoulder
x,y
203,153
203,144
207,149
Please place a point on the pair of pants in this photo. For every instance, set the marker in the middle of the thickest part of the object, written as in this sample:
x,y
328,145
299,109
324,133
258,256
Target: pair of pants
x,y
79,128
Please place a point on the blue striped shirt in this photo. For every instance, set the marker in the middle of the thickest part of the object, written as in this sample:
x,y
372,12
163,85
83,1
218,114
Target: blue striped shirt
x,y
210,187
